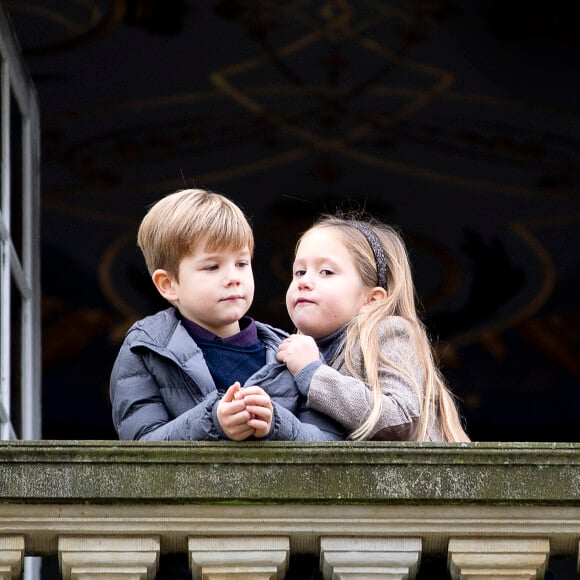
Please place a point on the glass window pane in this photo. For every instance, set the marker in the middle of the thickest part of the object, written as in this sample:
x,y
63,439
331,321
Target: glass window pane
x,y
16,177
16,359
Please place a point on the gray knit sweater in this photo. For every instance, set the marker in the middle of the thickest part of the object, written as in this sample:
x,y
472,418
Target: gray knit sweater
x,y
333,390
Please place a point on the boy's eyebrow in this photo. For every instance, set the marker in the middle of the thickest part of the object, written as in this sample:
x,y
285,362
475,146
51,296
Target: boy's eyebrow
x,y
219,253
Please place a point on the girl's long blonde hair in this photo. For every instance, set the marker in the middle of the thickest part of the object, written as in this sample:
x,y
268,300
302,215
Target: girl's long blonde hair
x,y
437,400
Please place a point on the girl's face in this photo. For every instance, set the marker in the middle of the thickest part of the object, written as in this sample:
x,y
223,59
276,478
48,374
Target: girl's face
x,y
326,291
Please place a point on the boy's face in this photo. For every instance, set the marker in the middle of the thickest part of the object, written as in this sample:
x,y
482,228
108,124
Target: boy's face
x,y
215,289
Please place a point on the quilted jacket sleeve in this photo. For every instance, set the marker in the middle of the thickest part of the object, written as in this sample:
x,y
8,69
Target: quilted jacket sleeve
x,y
306,425
139,412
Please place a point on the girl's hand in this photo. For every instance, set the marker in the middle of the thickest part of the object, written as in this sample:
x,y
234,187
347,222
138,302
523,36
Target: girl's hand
x,y
298,351
259,405
233,416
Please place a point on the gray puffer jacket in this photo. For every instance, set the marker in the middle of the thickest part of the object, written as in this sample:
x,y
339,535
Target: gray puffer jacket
x,y
162,390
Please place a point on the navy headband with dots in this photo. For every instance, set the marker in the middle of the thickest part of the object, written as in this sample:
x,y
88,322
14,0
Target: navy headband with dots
x,y
376,247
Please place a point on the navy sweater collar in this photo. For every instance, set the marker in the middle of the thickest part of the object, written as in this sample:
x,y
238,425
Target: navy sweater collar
x,y
247,336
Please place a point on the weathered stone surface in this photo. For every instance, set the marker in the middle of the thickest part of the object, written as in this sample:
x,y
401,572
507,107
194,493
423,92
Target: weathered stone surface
x,y
183,492
111,471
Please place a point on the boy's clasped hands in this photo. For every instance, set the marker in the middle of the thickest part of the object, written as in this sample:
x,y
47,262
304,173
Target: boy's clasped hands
x,y
245,412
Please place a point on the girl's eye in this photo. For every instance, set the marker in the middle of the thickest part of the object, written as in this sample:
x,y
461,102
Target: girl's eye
x,y
326,272
243,264
211,267
299,273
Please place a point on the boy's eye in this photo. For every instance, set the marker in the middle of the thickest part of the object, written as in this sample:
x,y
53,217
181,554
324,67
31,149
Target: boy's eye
x,y
326,272
243,264
299,273
211,267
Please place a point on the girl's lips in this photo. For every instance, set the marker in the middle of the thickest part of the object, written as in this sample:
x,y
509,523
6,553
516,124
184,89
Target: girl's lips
x,y
303,301
234,297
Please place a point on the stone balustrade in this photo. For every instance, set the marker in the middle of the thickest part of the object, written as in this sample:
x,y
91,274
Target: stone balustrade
x,y
109,509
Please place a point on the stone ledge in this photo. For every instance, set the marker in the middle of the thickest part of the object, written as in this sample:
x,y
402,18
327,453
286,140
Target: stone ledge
x,y
338,473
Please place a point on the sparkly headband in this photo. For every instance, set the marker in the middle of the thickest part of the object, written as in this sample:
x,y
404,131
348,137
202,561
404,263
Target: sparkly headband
x,y
376,247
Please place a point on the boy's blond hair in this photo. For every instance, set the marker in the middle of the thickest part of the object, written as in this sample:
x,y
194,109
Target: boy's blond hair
x,y
182,222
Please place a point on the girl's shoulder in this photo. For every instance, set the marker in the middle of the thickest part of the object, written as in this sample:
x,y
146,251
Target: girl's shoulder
x,y
398,342
393,326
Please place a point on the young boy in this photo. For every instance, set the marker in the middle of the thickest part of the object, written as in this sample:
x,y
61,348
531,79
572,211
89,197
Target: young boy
x,y
179,372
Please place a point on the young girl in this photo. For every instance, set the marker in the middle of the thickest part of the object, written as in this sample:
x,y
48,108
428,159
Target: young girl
x,y
363,356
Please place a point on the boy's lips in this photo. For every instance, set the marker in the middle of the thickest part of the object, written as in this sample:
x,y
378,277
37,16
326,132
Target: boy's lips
x,y
232,298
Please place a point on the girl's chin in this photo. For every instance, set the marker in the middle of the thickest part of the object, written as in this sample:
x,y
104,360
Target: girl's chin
x,y
309,332
304,325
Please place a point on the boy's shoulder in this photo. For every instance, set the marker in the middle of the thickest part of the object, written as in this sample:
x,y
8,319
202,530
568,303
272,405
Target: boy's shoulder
x,y
268,331
155,326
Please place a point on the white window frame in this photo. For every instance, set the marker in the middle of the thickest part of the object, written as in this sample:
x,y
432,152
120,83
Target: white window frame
x,y
19,274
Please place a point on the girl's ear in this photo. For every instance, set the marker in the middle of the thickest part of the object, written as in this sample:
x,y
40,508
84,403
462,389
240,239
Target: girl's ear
x,y
164,283
376,294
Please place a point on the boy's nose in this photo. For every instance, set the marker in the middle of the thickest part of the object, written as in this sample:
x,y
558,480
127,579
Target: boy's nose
x,y
233,276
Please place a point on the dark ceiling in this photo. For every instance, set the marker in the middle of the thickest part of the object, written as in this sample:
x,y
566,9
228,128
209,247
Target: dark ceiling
x,y
456,120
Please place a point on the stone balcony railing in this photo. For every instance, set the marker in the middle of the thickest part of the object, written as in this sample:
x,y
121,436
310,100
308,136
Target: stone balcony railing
x,y
366,510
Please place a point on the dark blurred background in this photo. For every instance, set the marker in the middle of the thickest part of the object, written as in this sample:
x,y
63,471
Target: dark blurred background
x,y
456,120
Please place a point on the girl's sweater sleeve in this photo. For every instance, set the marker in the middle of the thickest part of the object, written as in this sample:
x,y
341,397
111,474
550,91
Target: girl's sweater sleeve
x,y
139,412
349,400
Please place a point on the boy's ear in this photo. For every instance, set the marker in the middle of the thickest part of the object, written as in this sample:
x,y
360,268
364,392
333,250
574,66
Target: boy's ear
x,y
164,283
376,294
